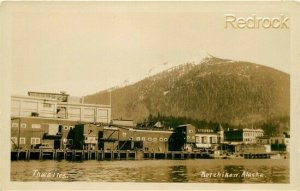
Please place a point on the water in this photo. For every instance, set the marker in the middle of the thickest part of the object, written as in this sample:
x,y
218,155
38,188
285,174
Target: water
x,y
190,170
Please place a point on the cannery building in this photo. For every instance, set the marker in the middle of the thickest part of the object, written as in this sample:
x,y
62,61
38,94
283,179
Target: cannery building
x,y
96,137
47,118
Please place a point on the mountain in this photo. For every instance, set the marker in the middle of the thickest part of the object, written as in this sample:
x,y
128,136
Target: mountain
x,y
219,90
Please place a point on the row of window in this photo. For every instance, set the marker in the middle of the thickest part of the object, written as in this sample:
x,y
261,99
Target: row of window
x,y
206,139
22,140
37,126
24,125
188,137
249,140
67,128
253,134
154,139
148,139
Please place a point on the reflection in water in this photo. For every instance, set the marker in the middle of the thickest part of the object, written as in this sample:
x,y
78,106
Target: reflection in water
x,y
192,170
178,173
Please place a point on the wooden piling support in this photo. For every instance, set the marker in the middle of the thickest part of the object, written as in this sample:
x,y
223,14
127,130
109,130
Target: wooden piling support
x,y
102,155
73,154
28,155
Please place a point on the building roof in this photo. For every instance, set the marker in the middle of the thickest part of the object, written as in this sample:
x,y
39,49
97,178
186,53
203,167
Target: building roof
x,y
61,93
33,98
245,129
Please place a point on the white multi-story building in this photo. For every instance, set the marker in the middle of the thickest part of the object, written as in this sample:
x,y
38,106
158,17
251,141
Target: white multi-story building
x,y
46,106
208,138
243,135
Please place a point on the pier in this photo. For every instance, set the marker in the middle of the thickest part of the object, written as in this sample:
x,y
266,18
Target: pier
x,y
72,155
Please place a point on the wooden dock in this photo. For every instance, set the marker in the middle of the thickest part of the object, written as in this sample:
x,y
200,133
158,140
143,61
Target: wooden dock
x,y
72,155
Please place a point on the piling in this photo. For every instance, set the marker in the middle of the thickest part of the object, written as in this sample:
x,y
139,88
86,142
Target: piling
x,y
41,154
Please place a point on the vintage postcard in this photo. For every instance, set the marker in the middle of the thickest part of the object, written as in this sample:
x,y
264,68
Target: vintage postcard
x,y
149,95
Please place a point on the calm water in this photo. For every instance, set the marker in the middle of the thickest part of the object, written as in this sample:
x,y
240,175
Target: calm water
x,y
192,170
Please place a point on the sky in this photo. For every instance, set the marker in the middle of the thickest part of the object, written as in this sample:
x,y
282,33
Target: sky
x,y
82,51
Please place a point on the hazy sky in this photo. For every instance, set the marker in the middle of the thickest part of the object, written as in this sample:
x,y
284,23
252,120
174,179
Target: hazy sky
x,y
82,51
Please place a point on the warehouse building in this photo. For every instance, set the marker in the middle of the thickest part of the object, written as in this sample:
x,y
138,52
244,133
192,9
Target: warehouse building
x,y
47,118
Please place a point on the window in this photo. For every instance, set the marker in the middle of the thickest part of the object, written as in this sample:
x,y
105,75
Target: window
x,y
15,125
60,128
23,125
66,128
36,126
188,137
191,131
35,140
138,138
47,105
22,140
214,140
149,139
161,139
70,127
166,139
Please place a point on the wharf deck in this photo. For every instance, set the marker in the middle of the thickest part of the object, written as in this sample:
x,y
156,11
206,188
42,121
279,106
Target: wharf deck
x,y
58,154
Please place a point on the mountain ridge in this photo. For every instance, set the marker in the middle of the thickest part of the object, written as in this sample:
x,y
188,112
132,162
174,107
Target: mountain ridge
x,y
215,89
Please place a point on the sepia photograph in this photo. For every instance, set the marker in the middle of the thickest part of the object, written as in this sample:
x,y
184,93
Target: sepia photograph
x,y
164,93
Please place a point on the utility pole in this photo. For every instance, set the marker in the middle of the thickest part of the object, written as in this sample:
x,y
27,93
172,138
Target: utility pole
x,y
110,98
19,133
110,90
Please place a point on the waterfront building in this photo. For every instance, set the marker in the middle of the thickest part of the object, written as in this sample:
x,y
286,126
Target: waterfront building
x,y
251,149
265,141
208,138
248,136
111,138
183,138
280,143
49,118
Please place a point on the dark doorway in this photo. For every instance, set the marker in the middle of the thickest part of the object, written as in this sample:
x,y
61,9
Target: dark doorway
x,y
57,144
